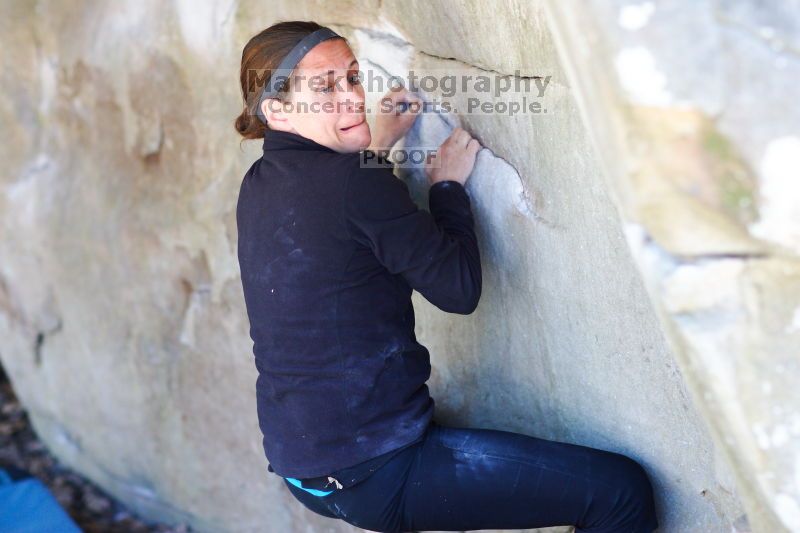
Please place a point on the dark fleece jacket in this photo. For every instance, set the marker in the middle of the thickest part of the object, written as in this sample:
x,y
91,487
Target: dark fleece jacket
x,y
330,252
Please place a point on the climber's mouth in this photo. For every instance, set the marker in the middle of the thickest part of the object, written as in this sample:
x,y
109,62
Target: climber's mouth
x,y
354,126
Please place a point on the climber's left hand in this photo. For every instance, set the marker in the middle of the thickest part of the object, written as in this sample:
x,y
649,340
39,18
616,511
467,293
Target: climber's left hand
x,y
393,120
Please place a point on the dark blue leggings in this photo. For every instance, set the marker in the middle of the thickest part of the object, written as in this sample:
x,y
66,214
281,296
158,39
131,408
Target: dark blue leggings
x,y
461,479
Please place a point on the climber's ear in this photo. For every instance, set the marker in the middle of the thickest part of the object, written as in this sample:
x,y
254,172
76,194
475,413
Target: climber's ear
x,y
277,116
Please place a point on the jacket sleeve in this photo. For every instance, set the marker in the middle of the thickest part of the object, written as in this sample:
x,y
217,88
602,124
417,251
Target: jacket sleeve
x,y
436,252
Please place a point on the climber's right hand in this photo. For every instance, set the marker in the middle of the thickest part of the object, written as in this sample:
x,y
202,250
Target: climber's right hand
x,y
454,159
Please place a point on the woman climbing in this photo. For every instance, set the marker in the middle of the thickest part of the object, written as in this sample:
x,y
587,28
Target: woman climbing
x,y
330,250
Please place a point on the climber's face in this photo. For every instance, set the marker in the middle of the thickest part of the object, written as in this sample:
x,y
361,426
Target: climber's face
x,y
325,100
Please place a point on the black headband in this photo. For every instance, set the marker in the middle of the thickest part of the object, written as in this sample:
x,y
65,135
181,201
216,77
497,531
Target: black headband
x,y
289,62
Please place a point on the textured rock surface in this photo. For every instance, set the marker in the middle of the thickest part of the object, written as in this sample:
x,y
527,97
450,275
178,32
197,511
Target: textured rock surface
x,y
121,316
700,138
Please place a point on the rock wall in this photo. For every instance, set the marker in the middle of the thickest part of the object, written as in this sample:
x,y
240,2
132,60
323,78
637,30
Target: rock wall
x,y
639,243
700,139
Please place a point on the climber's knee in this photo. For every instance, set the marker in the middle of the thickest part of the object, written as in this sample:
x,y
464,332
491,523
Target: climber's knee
x,y
637,511
631,504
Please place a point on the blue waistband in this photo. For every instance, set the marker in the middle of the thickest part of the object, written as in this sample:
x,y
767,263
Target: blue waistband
x,y
299,484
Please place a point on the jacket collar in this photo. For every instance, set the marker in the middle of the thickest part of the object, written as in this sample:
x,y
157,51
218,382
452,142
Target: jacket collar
x,y
282,140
